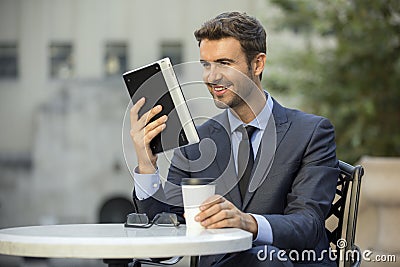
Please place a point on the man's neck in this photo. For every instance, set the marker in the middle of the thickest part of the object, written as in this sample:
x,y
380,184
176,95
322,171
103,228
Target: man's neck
x,y
253,106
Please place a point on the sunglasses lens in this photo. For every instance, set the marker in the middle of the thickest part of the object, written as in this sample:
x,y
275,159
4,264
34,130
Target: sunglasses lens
x,y
137,219
166,219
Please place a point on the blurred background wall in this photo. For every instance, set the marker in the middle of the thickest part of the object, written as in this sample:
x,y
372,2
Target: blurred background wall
x,y
62,99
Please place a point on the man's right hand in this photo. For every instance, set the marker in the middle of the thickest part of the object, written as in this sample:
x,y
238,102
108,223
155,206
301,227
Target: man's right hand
x,y
142,133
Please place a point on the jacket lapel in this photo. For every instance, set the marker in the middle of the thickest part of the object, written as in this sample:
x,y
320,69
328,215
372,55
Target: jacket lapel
x,y
275,131
227,180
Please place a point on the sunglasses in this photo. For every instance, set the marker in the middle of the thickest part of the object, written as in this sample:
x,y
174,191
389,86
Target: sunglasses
x,y
140,220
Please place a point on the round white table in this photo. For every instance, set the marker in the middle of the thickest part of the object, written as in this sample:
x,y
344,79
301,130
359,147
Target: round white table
x,y
114,241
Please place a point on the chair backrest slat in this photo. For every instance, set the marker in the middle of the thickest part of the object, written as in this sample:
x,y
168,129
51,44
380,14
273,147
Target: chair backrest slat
x,y
341,225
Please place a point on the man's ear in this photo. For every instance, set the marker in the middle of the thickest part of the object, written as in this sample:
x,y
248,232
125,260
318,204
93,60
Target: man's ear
x,y
259,63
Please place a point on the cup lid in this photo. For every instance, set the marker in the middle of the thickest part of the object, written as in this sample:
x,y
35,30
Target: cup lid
x,y
197,181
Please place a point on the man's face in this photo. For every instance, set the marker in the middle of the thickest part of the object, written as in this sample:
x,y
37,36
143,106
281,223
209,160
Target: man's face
x,y
226,72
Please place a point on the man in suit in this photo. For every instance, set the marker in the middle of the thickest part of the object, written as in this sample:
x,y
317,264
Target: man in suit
x,y
292,179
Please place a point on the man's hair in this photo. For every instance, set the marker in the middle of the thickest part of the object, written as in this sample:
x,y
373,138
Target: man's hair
x,y
244,28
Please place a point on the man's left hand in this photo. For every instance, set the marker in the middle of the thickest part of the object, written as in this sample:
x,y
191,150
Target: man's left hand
x,y
217,212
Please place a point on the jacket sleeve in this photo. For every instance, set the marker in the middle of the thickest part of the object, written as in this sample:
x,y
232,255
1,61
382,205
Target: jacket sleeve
x,y
168,198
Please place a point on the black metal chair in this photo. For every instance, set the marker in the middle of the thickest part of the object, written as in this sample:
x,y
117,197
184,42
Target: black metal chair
x,y
139,262
156,262
342,218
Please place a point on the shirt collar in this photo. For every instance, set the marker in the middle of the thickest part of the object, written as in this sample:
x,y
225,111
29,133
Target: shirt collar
x,y
260,121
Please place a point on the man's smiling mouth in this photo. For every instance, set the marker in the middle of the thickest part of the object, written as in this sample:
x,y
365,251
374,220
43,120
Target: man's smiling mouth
x,y
219,89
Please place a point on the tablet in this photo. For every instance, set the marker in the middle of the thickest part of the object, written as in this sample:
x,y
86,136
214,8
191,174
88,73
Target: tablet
x,y
157,82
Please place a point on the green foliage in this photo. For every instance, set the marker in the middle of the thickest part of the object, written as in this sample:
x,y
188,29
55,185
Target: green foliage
x,y
356,82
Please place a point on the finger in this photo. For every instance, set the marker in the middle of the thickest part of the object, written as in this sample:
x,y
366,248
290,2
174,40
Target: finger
x,y
153,133
212,210
219,218
154,124
135,110
229,222
150,114
215,199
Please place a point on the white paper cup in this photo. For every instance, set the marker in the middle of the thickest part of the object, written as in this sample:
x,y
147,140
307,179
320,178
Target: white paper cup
x,y
195,191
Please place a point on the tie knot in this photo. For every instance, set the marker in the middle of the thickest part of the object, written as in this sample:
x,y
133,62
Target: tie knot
x,y
247,131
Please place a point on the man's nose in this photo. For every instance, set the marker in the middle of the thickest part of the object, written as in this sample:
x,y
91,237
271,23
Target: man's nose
x,y
214,74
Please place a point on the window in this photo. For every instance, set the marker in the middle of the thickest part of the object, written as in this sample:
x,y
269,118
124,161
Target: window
x,y
173,50
61,60
116,59
8,61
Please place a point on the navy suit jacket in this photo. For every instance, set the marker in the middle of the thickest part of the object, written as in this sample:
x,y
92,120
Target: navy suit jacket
x,y
293,182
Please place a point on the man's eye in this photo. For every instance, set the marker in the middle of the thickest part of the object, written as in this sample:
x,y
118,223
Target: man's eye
x,y
224,63
205,64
